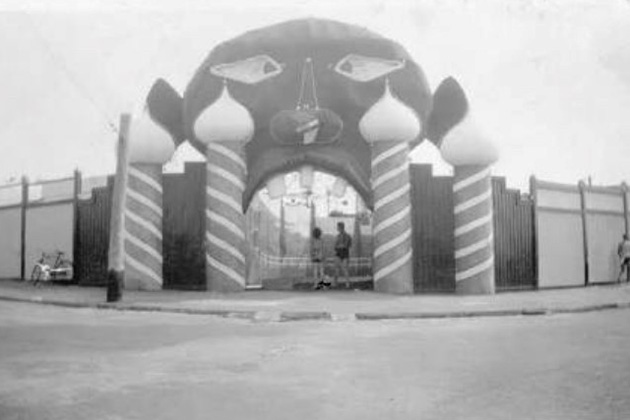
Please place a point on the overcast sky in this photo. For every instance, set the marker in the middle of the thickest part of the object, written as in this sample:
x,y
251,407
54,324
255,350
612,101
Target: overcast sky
x,y
548,79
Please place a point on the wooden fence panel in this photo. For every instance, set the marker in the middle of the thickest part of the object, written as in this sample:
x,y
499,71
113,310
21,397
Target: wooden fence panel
x,y
184,228
605,225
560,246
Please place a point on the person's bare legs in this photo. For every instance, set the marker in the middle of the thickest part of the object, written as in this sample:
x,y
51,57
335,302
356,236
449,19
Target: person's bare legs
x,y
346,273
319,273
624,267
341,267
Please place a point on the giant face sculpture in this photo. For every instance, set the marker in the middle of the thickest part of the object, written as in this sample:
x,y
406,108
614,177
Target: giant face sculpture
x,y
307,74
307,85
341,98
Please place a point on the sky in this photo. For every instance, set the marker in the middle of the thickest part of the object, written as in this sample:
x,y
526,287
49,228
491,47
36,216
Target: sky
x,y
548,80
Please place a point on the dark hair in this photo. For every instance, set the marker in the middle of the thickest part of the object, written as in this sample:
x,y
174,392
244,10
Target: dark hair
x,y
341,225
317,233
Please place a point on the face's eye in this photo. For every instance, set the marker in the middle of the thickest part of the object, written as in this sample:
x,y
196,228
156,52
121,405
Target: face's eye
x,y
365,69
250,71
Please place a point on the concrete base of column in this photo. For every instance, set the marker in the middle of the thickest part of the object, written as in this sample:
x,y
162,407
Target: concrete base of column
x,y
115,281
222,285
401,284
479,285
135,283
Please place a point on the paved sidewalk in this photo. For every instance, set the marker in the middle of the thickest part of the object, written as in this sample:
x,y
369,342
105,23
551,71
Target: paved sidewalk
x,y
334,305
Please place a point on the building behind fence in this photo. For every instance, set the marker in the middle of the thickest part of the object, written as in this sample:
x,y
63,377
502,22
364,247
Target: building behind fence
x,y
557,235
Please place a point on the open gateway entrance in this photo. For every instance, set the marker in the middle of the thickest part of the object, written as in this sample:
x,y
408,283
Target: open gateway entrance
x,y
279,222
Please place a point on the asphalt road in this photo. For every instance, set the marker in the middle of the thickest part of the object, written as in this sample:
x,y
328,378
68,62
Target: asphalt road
x,y
59,363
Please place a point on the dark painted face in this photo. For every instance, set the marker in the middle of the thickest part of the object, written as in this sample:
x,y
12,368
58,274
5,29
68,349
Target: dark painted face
x,y
306,83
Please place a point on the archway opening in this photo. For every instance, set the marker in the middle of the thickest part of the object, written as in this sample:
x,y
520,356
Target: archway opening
x,y
279,224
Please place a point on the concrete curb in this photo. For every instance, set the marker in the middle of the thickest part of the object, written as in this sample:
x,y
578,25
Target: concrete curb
x,y
288,316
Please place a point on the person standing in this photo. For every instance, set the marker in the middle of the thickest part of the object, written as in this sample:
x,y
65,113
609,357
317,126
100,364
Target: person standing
x,y
623,250
317,258
342,254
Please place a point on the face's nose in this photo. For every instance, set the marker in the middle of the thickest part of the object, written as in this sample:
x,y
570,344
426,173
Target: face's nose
x,y
307,123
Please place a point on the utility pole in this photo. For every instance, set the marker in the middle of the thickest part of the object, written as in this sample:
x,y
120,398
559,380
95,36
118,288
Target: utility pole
x,y
115,260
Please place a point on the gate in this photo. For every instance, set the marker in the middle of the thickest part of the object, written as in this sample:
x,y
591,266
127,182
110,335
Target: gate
x,y
184,228
92,238
513,238
433,222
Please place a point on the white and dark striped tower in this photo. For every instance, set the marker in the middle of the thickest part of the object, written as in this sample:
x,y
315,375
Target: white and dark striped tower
x,y
471,154
225,127
150,147
389,125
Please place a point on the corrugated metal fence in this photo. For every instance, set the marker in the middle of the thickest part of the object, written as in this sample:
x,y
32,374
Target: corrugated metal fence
x,y
93,219
184,228
514,242
433,222
433,234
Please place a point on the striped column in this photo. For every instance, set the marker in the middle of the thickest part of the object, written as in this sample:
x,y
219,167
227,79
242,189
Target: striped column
x,y
474,245
143,227
225,221
393,265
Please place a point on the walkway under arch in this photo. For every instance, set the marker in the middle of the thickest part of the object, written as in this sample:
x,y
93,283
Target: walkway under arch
x,y
278,231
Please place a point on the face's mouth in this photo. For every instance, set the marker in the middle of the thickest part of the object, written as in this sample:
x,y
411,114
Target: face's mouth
x,y
305,126
328,158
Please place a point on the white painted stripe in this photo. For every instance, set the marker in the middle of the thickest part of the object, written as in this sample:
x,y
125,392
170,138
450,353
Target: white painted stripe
x,y
392,220
479,268
225,199
230,154
137,265
392,244
392,196
225,245
144,223
226,270
485,172
144,201
217,170
392,267
389,153
226,223
474,224
390,175
144,246
463,252
473,201
137,173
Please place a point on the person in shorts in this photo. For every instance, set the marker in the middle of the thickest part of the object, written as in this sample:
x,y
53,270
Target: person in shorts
x,y
343,243
623,250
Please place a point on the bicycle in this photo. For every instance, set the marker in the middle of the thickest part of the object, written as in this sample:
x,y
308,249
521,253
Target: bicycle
x,y
61,269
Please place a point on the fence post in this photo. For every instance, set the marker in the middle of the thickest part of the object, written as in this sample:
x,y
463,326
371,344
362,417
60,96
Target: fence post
x,y
533,194
23,227
75,222
624,195
582,188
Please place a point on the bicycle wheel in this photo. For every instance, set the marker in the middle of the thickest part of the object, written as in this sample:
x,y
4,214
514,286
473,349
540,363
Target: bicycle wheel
x,y
36,274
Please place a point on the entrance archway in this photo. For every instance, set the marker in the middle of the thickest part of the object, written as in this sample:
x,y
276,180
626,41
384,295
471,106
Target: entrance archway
x,y
322,93
279,222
